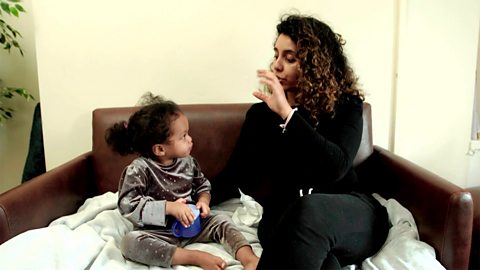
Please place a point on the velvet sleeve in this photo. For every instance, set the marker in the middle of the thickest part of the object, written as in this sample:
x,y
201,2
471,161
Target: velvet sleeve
x,y
134,204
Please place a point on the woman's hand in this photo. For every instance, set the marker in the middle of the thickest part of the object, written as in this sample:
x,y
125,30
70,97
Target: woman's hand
x,y
276,101
181,211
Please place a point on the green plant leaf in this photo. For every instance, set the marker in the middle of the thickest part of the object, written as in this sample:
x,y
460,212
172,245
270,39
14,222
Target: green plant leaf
x,y
7,115
10,92
14,11
9,39
22,92
5,7
10,36
12,30
20,8
8,95
6,110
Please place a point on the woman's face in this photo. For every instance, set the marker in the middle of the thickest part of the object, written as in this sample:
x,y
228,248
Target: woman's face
x,y
285,64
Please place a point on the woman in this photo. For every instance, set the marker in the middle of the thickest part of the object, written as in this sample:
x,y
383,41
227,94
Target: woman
x,y
299,145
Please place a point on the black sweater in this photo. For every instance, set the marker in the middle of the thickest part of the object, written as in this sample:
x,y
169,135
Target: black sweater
x,y
273,166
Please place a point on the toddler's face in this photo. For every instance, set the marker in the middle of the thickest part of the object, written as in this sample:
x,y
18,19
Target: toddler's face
x,y
179,144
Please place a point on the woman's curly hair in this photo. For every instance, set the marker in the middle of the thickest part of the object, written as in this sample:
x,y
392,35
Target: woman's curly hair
x,y
324,72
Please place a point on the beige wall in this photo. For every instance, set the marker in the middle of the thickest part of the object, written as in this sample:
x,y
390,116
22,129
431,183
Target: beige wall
x,y
107,53
103,53
18,71
437,63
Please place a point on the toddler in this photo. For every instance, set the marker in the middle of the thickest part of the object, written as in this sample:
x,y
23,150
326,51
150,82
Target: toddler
x,y
156,188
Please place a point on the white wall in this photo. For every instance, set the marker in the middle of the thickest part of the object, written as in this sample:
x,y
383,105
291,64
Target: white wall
x,y
18,71
473,166
107,53
436,80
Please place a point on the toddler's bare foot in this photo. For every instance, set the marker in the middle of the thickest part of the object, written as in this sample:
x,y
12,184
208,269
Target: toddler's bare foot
x,y
211,262
247,257
252,264
199,258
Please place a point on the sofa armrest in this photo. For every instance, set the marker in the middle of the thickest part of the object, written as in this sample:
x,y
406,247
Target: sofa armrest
x,y
475,251
443,211
46,197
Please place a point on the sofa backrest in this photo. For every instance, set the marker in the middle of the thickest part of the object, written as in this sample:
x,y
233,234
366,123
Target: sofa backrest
x,y
214,128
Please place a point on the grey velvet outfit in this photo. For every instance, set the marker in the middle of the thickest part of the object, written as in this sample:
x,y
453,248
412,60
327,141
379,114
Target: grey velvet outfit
x,y
145,187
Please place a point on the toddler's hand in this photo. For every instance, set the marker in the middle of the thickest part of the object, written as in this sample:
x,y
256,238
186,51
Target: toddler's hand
x,y
204,208
182,212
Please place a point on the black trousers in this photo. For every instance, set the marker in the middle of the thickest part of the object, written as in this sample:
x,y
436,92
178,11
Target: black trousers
x,y
323,231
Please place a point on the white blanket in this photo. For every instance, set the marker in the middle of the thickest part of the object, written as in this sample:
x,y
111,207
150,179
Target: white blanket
x,y
403,248
89,239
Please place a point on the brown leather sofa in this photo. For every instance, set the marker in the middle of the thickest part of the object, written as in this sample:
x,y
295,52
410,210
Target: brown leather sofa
x,y
442,210
475,251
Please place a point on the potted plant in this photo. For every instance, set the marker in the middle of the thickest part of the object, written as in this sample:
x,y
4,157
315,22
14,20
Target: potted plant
x,y
9,39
